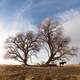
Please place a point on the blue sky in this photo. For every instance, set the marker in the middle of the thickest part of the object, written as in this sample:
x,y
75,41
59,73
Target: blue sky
x,y
22,15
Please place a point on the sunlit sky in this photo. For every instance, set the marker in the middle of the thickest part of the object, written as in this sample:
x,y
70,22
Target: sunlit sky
x,y
22,15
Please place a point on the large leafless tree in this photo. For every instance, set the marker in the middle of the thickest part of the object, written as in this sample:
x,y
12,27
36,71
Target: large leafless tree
x,y
54,42
21,47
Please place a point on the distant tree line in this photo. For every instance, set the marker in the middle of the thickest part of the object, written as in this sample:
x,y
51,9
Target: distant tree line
x,y
49,35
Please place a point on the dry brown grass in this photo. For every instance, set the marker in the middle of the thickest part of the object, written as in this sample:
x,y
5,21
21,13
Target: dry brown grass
x,y
19,72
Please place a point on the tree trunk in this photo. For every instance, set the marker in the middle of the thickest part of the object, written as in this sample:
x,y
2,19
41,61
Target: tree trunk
x,y
49,60
47,63
25,59
25,62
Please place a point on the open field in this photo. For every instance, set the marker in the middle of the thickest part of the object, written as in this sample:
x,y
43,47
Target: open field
x,y
19,72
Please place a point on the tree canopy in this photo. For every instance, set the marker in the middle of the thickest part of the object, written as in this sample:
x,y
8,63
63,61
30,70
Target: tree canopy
x,y
21,47
49,35
54,41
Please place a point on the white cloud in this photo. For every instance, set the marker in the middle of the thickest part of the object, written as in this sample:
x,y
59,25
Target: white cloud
x,y
71,23
4,34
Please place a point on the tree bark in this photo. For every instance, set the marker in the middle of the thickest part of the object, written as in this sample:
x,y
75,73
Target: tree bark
x,y
25,58
49,60
25,62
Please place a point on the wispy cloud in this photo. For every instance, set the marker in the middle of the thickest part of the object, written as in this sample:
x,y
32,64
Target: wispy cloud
x,y
26,7
72,14
21,21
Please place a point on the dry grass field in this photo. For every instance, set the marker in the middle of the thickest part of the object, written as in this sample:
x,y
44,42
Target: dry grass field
x,y
20,72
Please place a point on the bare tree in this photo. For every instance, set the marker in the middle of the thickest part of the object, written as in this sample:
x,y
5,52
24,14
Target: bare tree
x,y
54,42
21,47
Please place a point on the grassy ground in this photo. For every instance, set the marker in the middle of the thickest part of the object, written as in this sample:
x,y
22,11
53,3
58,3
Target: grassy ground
x,y
18,72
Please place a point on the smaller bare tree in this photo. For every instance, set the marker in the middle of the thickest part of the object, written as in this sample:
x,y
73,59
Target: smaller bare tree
x,y
21,47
